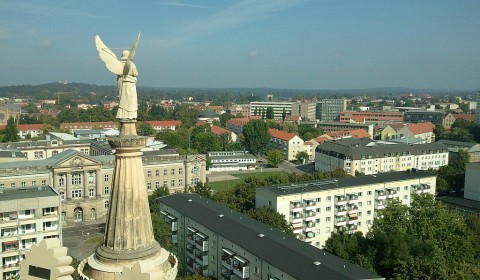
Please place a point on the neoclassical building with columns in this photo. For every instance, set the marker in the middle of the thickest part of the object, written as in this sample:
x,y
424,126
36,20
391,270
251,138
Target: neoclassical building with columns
x,y
84,182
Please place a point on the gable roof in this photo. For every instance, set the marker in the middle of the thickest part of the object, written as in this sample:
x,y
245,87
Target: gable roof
x,y
219,130
27,127
164,123
470,117
418,128
275,133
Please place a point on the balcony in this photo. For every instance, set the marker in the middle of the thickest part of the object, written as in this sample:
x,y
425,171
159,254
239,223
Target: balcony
x,y
310,226
310,216
227,258
297,218
241,267
340,211
201,242
8,216
296,206
391,193
341,221
191,235
190,250
352,198
309,236
353,209
201,257
226,273
380,194
310,205
379,205
340,200
9,246
352,219
352,229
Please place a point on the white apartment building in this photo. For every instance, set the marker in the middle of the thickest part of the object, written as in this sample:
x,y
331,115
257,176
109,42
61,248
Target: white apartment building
x,y
365,156
318,208
231,161
288,143
213,240
279,108
27,216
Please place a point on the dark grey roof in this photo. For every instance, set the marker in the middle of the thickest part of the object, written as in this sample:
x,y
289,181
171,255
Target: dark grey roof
x,y
461,202
42,143
207,114
346,182
457,143
288,254
12,154
339,150
23,193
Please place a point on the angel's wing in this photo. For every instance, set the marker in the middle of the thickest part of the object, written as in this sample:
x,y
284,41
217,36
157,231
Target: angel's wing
x,y
107,56
128,63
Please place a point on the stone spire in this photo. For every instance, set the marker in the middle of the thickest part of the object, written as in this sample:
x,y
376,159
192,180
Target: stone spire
x,y
129,233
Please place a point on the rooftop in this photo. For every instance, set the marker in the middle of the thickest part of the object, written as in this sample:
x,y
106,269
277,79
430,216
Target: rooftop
x,y
266,243
23,193
345,182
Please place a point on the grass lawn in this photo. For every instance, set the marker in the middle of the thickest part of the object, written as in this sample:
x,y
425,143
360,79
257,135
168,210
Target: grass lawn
x,y
225,185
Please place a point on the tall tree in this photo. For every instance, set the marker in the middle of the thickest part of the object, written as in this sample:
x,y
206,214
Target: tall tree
x,y
256,136
274,157
269,115
11,132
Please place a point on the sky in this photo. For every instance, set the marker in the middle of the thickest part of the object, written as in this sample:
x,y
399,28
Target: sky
x,y
289,44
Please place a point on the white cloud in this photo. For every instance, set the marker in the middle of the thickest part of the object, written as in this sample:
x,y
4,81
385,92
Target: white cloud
x,y
44,44
182,4
253,53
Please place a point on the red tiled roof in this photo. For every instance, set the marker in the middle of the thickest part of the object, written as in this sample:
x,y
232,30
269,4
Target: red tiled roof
x,y
219,130
418,128
200,123
323,138
164,123
242,121
27,127
281,134
359,133
470,117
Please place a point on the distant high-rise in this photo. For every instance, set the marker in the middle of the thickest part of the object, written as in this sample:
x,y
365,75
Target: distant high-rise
x,y
328,110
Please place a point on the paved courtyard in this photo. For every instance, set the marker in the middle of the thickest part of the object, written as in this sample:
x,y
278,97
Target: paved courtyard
x,y
82,240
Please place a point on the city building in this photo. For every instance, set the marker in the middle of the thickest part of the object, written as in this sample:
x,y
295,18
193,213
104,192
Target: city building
x,y
27,216
328,110
338,126
381,118
418,116
88,125
238,109
43,149
450,119
236,124
280,108
288,143
473,149
217,130
29,130
164,125
305,110
418,130
317,208
231,161
213,240
367,157
84,182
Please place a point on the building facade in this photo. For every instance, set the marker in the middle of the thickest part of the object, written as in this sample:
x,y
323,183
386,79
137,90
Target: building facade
x,y
328,110
84,182
318,208
212,240
381,118
305,110
418,116
231,161
366,157
279,108
337,126
27,216
288,143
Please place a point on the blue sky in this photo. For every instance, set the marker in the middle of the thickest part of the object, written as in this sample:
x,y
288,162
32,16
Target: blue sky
x,y
316,44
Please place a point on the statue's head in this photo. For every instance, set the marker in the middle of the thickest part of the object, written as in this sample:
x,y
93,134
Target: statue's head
x,y
125,55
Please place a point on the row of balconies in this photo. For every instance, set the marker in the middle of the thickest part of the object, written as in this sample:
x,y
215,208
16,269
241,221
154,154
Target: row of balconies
x,y
308,204
232,262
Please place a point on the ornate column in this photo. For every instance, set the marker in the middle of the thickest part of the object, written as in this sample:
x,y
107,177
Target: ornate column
x,y
128,233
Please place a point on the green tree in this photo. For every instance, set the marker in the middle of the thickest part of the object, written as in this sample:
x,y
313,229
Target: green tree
x,y
274,157
205,142
302,157
11,132
269,115
256,136
272,218
145,129
224,118
307,132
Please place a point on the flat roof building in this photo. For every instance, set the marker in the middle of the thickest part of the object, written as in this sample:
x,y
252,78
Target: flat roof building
x,y
213,240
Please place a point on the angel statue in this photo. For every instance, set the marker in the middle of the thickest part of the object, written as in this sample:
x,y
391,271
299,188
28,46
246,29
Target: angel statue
x,y
126,78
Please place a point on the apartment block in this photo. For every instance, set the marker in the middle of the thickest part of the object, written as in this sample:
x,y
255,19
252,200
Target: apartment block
x,y
84,182
279,108
317,208
381,118
328,127
367,157
418,116
27,216
328,110
288,143
231,161
212,240
305,110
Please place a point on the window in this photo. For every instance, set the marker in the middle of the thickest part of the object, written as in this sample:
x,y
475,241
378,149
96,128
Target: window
x,y
106,204
328,219
106,178
328,209
38,155
165,183
34,183
149,185
106,190
91,192
180,182
24,184
194,181
2,185
61,180
12,185
157,173
369,203
76,179
172,183
91,178
195,170
76,194
164,172
172,172
329,198
369,193
54,153
256,270
62,195
44,182
157,184
180,171
149,173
